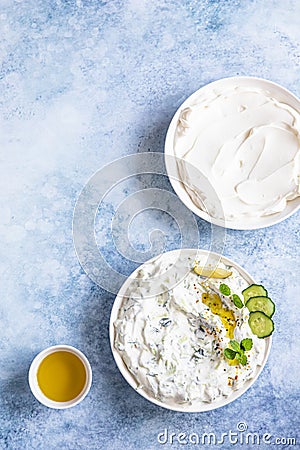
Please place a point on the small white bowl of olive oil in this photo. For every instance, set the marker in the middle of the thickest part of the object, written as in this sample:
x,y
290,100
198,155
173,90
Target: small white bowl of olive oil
x,y
60,376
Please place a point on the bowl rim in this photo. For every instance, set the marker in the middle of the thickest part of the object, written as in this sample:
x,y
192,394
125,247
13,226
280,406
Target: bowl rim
x,y
177,185
200,407
33,383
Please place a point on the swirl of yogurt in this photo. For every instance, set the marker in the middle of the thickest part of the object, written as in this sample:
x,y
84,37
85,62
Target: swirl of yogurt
x,y
246,143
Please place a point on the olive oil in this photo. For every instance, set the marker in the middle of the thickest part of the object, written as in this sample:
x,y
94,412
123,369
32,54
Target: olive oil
x,y
214,303
61,376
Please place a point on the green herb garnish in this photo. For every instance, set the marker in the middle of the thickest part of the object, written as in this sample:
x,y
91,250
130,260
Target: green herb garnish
x,y
237,351
235,345
242,358
237,301
230,354
224,289
246,344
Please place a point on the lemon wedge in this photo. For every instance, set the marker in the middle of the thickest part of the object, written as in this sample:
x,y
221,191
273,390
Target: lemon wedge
x,y
212,272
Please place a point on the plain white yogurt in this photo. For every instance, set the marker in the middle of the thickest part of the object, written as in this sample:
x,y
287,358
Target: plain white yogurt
x,y
246,143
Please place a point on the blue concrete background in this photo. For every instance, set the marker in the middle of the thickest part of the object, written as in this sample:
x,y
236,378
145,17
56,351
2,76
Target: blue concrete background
x,y
83,83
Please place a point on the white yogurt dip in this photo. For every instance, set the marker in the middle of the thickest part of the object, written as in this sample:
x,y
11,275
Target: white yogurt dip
x,y
172,343
246,143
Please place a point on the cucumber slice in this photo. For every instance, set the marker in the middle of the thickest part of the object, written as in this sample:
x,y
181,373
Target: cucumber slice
x,y
255,290
263,304
261,325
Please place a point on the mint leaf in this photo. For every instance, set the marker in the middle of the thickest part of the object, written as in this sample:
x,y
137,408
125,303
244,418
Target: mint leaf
x,y
246,344
229,354
237,301
242,358
235,345
237,350
224,289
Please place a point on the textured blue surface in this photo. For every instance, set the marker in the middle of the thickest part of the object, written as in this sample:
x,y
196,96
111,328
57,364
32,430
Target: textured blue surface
x,y
83,83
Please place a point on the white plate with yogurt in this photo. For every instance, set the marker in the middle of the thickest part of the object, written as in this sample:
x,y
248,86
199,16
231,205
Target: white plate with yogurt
x,y
169,345
232,153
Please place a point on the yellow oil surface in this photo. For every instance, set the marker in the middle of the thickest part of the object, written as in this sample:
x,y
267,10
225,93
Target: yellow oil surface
x,y
61,376
215,304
